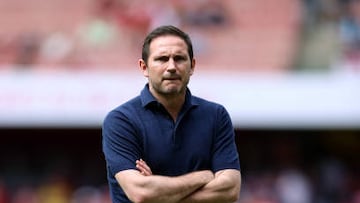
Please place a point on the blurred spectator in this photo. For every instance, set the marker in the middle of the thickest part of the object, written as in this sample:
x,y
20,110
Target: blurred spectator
x,y
163,13
258,188
332,182
98,33
98,36
87,194
56,49
25,194
134,18
350,35
203,13
54,190
320,41
27,49
292,186
7,49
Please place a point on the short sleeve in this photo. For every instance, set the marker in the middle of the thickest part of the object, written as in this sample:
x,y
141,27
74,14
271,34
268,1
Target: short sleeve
x,y
225,154
120,142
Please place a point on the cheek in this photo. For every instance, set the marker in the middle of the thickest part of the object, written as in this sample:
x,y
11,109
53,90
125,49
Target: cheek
x,y
154,74
189,71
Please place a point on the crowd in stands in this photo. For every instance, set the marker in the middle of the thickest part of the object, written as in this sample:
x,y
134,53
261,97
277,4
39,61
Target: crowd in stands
x,y
55,191
333,184
329,36
277,167
247,35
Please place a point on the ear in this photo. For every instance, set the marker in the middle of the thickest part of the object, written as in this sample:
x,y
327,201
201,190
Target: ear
x,y
193,62
143,67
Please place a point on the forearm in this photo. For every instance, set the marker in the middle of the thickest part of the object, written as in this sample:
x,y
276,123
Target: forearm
x,y
224,188
173,189
156,188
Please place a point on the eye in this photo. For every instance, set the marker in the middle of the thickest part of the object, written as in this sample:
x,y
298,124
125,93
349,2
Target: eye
x,y
162,58
180,58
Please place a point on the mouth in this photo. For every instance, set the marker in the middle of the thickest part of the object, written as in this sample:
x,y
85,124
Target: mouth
x,y
172,78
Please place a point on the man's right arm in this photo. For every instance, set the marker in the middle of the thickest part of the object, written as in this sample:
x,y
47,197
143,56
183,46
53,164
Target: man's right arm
x,y
155,188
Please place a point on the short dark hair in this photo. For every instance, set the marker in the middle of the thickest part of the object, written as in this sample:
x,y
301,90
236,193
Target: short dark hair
x,y
163,31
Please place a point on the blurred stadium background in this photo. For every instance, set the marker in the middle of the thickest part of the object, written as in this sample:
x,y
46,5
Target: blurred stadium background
x,y
288,71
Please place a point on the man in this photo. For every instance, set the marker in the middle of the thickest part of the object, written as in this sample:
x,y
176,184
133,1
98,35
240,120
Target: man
x,y
166,145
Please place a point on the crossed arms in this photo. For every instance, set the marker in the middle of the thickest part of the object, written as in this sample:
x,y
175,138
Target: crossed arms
x,y
141,186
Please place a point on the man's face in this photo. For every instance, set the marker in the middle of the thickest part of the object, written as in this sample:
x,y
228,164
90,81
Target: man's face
x,y
169,67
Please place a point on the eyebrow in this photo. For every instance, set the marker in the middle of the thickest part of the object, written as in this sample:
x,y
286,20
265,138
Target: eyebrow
x,y
175,56
164,53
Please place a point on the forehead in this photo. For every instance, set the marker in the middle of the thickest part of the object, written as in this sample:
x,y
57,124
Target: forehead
x,y
167,43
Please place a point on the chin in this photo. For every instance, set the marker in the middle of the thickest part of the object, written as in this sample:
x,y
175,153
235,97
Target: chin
x,y
172,90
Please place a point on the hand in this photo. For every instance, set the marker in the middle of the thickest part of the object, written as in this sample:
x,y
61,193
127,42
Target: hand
x,y
143,167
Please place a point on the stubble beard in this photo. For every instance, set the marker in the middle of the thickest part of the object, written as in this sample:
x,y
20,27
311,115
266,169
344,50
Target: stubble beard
x,y
170,90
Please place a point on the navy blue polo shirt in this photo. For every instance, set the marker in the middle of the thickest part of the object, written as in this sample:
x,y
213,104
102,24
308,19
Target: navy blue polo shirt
x,y
202,137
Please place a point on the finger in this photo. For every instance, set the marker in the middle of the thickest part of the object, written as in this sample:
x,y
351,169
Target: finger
x,y
143,164
143,167
143,170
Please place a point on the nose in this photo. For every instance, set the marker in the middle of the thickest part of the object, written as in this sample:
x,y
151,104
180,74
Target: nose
x,y
171,65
